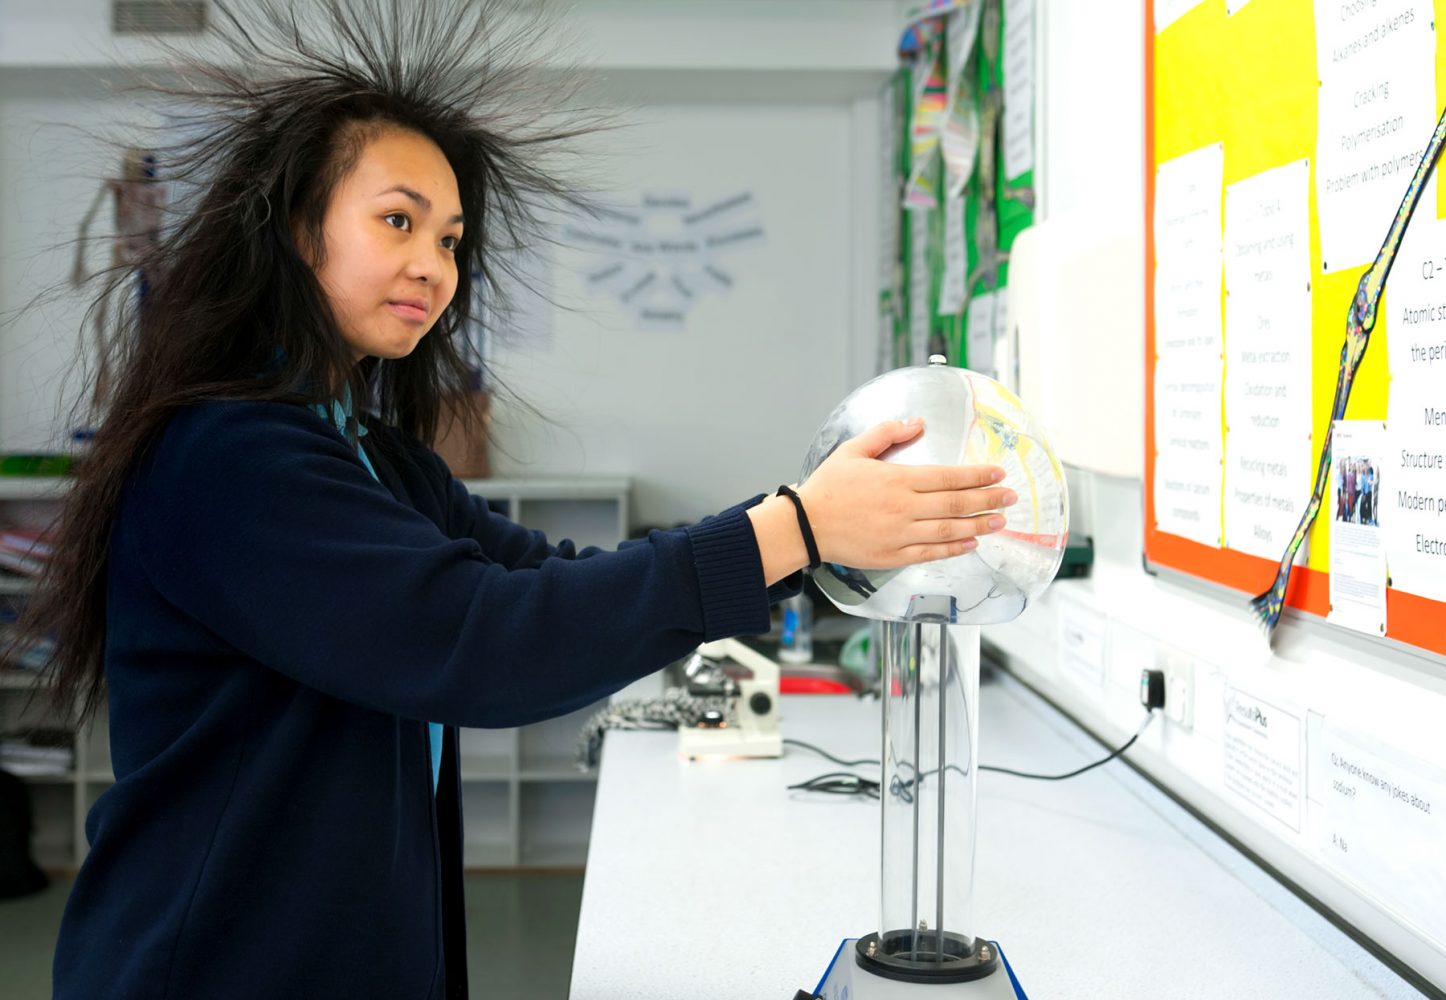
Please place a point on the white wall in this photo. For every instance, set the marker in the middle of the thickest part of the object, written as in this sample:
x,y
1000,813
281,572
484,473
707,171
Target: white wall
x,y
726,407
1092,120
49,176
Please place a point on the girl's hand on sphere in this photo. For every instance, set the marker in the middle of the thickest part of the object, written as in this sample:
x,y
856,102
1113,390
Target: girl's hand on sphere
x,y
876,515
871,514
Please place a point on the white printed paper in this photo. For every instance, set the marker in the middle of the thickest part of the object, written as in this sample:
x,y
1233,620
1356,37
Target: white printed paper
x,y
1267,485
1188,192
1355,37
1189,449
956,258
1414,500
1233,7
920,312
1187,498
1267,377
1187,308
979,350
1266,248
1352,501
1000,367
1378,816
1081,644
1267,372
1189,437
1018,87
1188,248
1262,753
1376,115
959,138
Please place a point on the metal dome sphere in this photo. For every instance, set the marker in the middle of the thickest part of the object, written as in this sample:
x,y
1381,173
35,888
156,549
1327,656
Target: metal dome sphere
x,y
969,419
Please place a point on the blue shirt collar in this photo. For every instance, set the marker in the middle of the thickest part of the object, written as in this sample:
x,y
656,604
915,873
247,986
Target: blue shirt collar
x,y
341,412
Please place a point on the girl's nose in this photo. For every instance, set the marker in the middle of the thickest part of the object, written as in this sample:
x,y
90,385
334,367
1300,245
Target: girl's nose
x,y
425,268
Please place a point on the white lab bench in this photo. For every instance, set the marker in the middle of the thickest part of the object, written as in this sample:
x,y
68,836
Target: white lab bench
x,y
713,880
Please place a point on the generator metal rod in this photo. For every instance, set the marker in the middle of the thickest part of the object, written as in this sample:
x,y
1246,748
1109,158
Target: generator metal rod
x,y
943,730
918,663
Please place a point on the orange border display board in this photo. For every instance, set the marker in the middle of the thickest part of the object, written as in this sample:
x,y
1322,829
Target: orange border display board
x,y
1248,80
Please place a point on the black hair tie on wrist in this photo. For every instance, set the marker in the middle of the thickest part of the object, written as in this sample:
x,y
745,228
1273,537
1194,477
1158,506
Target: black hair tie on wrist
x,y
814,562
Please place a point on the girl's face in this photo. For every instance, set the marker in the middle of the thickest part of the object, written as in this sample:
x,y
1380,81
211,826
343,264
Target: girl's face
x,y
390,234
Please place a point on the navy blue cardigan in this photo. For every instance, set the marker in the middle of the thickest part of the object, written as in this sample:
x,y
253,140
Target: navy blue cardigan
x,y
280,628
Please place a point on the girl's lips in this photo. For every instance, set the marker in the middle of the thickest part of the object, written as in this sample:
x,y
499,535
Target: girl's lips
x,y
407,311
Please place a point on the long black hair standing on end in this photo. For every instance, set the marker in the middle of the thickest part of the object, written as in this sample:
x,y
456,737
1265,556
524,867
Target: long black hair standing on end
x,y
232,308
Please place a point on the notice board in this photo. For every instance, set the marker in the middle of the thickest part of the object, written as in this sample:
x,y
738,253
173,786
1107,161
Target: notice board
x,y
1280,137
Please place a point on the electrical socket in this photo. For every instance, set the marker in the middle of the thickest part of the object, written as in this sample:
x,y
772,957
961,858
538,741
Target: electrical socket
x,y
1179,670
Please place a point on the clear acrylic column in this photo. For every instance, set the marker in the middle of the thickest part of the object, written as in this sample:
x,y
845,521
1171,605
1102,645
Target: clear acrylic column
x,y
926,930
930,674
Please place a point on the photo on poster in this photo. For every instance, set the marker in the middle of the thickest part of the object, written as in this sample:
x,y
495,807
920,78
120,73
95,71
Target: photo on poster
x,y
1355,483
1357,548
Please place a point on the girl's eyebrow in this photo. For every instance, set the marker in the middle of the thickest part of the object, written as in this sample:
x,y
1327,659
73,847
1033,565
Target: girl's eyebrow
x,y
419,198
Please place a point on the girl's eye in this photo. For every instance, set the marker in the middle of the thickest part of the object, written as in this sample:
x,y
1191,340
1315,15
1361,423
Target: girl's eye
x,y
450,242
405,223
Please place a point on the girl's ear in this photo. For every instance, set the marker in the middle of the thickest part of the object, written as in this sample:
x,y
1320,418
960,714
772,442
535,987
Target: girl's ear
x,y
306,243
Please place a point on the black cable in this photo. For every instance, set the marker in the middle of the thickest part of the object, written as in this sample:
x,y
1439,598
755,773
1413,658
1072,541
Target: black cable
x,y
1060,777
904,788
846,783
839,783
824,753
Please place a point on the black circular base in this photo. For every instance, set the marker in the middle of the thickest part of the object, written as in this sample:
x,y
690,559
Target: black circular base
x,y
894,957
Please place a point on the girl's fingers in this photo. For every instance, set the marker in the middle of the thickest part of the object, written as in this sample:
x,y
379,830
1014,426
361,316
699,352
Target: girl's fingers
x,y
964,503
954,529
950,478
936,551
881,437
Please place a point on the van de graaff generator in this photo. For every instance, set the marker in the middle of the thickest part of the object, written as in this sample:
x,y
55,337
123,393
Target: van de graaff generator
x,y
927,944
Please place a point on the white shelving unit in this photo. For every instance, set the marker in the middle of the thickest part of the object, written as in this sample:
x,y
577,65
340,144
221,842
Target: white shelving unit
x,y
590,511
526,804
59,801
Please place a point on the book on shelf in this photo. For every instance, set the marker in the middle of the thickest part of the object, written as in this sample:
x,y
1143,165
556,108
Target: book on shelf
x,y
22,757
23,565
34,542
11,661
16,583
25,550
